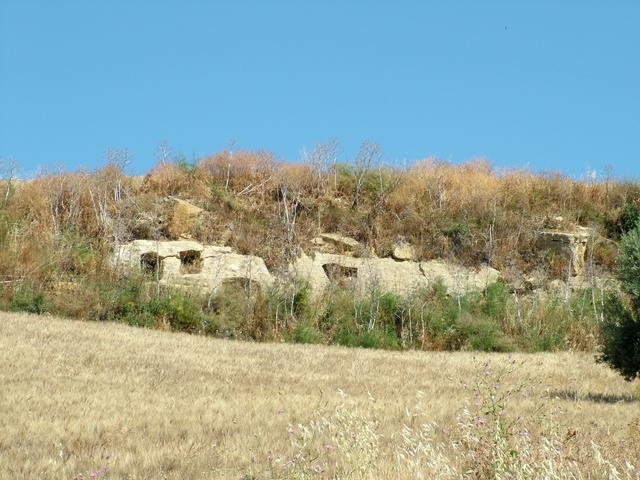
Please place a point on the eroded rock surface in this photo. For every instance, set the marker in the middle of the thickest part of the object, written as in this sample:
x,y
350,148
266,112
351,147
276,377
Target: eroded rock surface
x,y
362,274
570,244
208,267
335,243
458,280
404,252
388,275
184,215
191,264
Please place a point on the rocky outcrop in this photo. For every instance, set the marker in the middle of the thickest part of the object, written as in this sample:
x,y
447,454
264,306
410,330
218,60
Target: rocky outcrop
x,y
191,264
335,243
570,244
183,216
459,280
208,267
403,251
322,270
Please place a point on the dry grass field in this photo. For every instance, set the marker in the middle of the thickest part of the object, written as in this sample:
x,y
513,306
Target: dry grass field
x,y
101,400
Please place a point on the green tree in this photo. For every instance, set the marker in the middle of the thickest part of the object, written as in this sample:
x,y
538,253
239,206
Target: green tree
x,y
620,329
626,221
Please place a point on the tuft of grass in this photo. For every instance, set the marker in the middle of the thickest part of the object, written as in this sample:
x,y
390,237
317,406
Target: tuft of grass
x,y
28,298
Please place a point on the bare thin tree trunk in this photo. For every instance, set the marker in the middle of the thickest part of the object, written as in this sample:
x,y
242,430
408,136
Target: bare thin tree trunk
x,y
157,270
592,276
226,183
569,272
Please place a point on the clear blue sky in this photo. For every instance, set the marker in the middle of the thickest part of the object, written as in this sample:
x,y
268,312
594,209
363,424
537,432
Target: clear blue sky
x,y
552,85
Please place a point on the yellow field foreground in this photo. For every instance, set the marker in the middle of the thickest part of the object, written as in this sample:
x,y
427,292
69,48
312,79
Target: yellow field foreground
x,y
102,400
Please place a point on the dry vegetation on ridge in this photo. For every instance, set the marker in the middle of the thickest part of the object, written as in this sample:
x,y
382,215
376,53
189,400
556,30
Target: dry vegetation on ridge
x,y
468,213
57,232
78,396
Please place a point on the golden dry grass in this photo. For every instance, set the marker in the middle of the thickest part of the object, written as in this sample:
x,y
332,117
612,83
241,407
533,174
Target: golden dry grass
x,y
77,395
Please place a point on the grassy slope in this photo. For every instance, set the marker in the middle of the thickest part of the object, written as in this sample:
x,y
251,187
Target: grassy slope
x,y
57,233
165,405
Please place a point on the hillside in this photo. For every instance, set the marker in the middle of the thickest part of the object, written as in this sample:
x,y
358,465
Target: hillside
x,y
81,396
58,234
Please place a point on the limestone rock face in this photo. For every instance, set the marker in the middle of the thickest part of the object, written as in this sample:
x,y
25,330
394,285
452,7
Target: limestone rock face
x,y
387,275
362,274
208,267
458,280
571,244
404,251
191,264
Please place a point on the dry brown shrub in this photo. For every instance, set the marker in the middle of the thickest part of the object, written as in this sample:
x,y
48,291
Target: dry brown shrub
x,y
296,177
167,179
238,171
469,212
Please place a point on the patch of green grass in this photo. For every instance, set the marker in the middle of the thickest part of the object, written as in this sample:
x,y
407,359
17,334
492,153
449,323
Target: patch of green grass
x,y
28,298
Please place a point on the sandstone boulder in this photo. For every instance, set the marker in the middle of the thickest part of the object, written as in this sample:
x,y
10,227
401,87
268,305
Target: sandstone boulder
x,y
183,216
340,241
404,252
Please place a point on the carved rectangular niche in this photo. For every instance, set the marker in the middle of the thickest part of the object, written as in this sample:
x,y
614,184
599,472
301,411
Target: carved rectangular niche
x,y
190,261
151,263
340,274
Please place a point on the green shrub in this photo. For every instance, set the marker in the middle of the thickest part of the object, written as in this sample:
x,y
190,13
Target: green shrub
x,y
367,339
496,299
136,303
184,165
121,301
484,335
589,213
305,334
620,334
227,312
178,310
457,232
28,298
301,299
620,330
545,341
627,220
291,302
628,264
390,311
337,304
444,333
439,289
